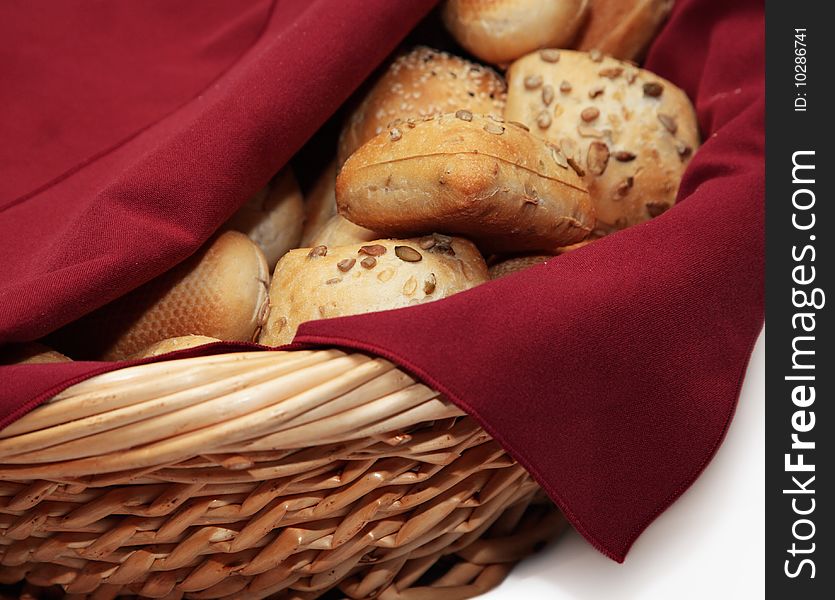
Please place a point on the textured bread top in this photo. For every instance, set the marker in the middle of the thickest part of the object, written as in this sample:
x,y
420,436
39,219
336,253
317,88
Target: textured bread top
x,y
466,174
422,83
500,31
322,282
631,131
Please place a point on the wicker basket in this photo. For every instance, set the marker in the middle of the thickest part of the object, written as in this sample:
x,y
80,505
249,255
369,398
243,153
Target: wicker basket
x,y
261,474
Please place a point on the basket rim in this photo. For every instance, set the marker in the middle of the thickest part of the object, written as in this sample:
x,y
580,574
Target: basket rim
x,y
232,403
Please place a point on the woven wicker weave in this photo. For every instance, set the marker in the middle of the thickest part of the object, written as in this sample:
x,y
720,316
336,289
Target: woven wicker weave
x,y
261,474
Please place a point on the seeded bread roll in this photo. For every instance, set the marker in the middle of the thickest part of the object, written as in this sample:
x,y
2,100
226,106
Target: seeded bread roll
x,y
623,28
500,31
319,205
339,231
30,353
220,292
173,344
272,218
490,181
322,282
422,83
632,132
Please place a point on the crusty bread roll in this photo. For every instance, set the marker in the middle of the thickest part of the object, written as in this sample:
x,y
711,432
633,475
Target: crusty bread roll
x,y
632,132
422,83
508,265
500,31
517,263
460,173
622,28
319,205
173,344
272,218
220,292
578,245
322,282
30,353
339,231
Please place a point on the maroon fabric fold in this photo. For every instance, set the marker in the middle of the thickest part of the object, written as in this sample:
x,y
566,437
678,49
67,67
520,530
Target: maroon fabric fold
x,y
146,124
611,373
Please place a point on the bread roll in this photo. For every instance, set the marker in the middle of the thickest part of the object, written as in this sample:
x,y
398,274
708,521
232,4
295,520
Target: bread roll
x,y
500,31
623,28
319,205
322,282
509,265
632,132
578,245
339,231
220,292
173,344
30,353
420,84
517,263
490,181
273,218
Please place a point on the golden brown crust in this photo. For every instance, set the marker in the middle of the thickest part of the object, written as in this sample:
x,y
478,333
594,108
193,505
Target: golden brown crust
x,y
517,263
273,218
500,31
578,245
421,83
173,344
220,292
506,266
339,231
623,28
321,283
466,174
319,204
630,130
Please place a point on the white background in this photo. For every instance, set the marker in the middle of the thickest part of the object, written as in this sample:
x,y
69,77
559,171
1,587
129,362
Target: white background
x,y
709,544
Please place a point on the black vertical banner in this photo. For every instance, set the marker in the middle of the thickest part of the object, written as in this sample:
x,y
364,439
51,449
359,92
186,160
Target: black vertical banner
x,y
800,258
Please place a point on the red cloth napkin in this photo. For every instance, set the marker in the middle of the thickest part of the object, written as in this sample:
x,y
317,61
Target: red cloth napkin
x,y
610,373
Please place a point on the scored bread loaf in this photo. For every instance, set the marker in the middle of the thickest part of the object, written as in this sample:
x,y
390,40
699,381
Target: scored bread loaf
x,y
500,31
421,83
273,217
622,28
324,282
220,292
460,173
632,132
319,205
339,231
